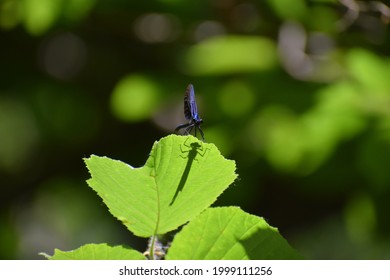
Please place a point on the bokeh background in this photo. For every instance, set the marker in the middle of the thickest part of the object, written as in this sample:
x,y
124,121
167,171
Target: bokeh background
x,y
296,92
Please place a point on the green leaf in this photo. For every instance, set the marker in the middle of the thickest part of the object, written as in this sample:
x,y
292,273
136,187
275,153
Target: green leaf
x,y
181,178
98,252
228,233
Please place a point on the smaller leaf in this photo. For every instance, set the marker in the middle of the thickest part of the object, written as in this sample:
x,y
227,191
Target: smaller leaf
x,y
228,233
97,252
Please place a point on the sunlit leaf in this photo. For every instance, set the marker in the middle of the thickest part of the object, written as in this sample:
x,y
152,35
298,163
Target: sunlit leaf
x,y
181,178
97,252
228,233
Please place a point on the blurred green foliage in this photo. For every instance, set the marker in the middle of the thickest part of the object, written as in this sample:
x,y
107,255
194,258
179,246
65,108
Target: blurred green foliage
x,y
225,55
134,98
297,92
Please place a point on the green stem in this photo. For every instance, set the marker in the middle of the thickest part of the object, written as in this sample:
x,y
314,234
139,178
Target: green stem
x,y
151,249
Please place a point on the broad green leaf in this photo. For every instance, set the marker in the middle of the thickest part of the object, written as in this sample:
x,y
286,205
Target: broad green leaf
x,y
181,178
98,252
228,233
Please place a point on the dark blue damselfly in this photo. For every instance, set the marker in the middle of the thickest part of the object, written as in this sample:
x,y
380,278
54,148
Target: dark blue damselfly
x,y
191,113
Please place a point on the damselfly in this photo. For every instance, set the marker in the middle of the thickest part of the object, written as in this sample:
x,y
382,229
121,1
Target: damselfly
x,y
191,113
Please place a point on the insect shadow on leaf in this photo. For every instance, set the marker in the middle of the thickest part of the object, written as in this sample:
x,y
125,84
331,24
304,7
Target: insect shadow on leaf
x,y
190,152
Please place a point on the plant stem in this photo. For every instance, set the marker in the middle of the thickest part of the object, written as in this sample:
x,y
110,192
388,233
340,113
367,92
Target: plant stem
x,y
151,248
